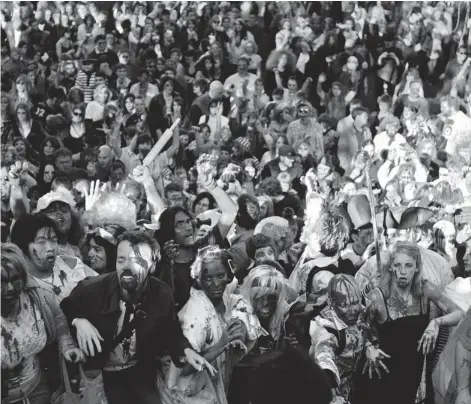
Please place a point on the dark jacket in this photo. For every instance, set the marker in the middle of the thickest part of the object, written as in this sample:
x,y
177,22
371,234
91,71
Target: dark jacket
x,y
97,299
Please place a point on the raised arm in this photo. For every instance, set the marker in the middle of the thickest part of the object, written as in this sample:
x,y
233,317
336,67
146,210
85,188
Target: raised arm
x,y
226,204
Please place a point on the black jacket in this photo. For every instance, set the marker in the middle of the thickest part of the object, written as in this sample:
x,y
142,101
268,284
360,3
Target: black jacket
x,y
97,299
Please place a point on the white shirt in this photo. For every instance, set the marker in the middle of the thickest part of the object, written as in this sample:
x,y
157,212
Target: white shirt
x,y
461,126
381,142
238,82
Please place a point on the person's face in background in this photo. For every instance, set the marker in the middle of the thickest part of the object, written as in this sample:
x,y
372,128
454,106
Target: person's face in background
x,y
323,170
225,157
97,257
69,70
336,91
105,158
20,148
48,149
101,45
59,212
292,85
242,66
407,177
303,150
116,176
121,73
87,66
144,148
202,206
370,149
139,106
184,140
352,63
143,77
415,89
390,129
151,67
461,55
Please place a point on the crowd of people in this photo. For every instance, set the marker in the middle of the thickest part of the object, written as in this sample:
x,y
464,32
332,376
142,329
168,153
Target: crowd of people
x,y
236,202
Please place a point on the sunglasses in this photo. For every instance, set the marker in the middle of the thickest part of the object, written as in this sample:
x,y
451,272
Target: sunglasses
x,y
78,113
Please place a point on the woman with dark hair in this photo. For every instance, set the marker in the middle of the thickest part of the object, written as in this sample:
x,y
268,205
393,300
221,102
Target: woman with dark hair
x,y
27,128
101,243
218,324
45,177
36,236
48,148
160,106
75,141
177,231
204,201
31,320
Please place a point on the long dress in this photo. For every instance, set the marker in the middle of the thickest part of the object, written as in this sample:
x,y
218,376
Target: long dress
x,y
399,339
203,326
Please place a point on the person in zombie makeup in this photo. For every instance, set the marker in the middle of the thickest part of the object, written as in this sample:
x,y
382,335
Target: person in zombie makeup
x,y
340,334
127,318
399,312
37,237
177,233
219,324
31,320
58,205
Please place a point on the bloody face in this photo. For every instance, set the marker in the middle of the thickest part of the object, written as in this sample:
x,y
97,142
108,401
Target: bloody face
x,y
403,268
43,249
59,212
133,266
264,254
214,279
264,305
12,285
345,298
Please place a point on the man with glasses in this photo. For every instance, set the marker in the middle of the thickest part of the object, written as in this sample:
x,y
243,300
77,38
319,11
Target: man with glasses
x,y
101,49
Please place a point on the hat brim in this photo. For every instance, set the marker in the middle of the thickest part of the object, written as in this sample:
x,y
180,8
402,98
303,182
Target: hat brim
x,y
413,217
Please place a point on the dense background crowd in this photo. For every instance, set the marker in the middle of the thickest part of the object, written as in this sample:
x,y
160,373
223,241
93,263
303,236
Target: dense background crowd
x,y
284,188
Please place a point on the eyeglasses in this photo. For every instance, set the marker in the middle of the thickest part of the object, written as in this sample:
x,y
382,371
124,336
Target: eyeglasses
x,y
183,224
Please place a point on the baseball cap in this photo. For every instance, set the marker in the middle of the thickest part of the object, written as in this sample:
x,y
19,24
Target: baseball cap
x,y
55,196
286,150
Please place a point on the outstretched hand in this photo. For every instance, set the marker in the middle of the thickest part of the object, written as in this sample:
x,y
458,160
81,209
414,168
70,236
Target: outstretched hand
x,y
374,359
94,194
198,362
429,338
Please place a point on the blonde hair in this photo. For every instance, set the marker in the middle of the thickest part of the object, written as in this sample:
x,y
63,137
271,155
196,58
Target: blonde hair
x,y
386,278
263,281
97,91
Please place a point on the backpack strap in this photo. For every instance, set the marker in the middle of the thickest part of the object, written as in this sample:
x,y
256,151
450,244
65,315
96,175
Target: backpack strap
x,y
341,338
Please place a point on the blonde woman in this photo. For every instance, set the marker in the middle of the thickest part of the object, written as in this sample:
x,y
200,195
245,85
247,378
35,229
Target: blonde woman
x,y
96,108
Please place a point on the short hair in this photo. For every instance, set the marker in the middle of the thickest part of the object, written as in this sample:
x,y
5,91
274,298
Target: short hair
x,y
26,228
257,241
203,84
118,164
172,187
100,37
385,98
63,152
139,237
358,111
271,187
62,181
277,91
